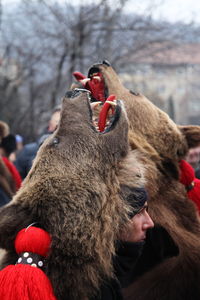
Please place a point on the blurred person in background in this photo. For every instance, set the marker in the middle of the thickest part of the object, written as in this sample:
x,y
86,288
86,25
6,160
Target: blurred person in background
x,y
19,147
19,141
7,185
10,179
26,156
7,147
193,158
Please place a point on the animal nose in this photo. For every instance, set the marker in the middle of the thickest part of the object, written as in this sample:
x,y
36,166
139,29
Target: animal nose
x,y
105,62
74,93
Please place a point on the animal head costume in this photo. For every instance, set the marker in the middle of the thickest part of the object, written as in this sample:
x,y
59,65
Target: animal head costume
x,y
74,191
164,145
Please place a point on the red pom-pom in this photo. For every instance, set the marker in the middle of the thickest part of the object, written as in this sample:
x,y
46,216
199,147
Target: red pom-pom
x,y
33,239
95,84
104,112
187,173
24,281
192,184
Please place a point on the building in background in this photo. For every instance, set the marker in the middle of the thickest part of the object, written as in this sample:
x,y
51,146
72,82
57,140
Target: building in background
x,y
170,79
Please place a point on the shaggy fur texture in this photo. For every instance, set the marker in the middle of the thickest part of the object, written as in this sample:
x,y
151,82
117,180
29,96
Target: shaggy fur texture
x,y
163,144
73,192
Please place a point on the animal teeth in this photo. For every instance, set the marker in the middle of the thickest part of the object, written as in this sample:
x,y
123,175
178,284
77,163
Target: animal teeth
x,y
97,77
95,104
83,90
113,103
85,80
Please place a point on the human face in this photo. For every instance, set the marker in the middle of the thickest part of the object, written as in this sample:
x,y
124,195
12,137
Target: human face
x,y
137,227
193,156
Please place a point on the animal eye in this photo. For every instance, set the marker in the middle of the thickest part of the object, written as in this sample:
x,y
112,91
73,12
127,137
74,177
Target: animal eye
x,y
55,141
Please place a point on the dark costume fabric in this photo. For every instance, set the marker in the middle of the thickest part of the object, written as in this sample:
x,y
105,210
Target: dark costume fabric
x,y
4,199
124,262
127,256
110,291
26,156
197,172
158,247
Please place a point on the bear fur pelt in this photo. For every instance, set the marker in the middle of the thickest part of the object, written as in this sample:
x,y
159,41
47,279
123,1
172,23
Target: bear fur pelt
x,y
163,145
74,191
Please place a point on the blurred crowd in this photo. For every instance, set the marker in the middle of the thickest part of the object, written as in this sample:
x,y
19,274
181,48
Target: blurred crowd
x,y
16,158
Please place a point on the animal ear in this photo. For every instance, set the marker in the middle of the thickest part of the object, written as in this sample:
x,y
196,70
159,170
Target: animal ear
x,y
192,135
131,170
131,176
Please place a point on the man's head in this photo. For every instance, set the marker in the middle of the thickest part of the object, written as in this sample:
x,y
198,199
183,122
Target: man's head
x,y
8,145
140,221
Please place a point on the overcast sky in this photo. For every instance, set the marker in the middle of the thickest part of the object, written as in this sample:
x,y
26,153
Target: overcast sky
x,y
170,10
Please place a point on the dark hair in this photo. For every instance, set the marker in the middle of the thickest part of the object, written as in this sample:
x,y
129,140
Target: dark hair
x,y
135,196
9,144
4,129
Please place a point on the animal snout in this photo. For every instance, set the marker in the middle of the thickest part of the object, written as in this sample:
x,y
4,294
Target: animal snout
x,y
76,92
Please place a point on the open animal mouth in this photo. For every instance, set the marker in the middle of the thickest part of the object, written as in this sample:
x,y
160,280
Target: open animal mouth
x,y
94,83
106,109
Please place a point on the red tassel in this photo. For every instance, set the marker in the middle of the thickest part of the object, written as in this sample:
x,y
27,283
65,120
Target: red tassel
x,y
79,76
27,281
192,184
94,85
104,112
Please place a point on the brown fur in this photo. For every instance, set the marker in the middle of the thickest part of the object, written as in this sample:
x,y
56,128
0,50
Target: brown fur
x,y
73,192
163,144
